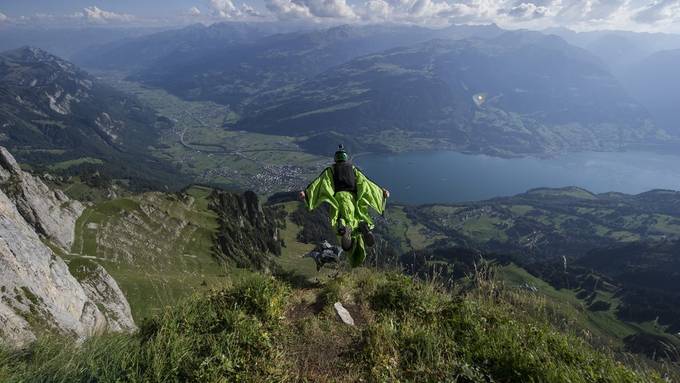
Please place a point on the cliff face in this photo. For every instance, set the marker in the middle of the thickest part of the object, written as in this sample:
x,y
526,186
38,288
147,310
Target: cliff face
x,y
37,290
51,213
248,232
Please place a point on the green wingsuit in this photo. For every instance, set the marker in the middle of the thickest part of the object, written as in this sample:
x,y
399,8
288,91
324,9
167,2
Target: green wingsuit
x,y
347,209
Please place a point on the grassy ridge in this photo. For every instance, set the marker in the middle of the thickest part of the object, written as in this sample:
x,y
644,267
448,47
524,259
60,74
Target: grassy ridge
x,y
157,246
263,329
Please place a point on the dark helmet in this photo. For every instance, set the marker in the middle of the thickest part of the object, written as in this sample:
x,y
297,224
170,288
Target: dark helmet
x,y
341,155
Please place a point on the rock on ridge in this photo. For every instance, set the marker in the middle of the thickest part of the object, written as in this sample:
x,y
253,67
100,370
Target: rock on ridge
x,y
51,213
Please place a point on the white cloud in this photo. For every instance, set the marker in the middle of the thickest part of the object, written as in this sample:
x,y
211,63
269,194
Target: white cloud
x,y
247,10
535,14
429,12
228,10
639,15
311,9
224,8
376,10
663,11
528,11
96,15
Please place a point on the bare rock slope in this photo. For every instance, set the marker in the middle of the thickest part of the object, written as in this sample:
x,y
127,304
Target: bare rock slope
x,y
51,213
38,292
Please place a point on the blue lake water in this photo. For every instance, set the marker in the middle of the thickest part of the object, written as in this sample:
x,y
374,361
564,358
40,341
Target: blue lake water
x,y
424,177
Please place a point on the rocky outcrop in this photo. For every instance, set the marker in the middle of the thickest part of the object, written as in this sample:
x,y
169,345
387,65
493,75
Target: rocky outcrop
x,y
100,287
38,291
51,213
248,232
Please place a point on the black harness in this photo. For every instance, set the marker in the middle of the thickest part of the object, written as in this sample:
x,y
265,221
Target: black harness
x,y
344,178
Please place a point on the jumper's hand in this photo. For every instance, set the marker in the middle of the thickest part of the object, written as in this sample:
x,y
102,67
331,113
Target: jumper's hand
x,y
386,193
302,196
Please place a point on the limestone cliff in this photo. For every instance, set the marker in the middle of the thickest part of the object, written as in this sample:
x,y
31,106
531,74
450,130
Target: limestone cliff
x,y
38,292
51,213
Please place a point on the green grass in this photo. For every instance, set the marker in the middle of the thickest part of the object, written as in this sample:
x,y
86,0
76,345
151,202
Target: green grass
x,y
485,228
412,235
157,246
291,255
264,330
76,189
602,325
80,161
572,192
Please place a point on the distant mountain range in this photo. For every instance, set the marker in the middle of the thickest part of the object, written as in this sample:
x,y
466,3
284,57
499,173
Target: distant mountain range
x,y
66,41
537,93
230,71
138,53
656,83
52,112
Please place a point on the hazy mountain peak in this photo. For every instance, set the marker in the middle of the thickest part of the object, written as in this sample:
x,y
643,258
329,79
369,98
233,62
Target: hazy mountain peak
x,y
29,54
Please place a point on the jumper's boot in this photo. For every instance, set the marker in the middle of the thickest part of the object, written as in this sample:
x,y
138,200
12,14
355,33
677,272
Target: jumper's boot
x,y
369,238
345,233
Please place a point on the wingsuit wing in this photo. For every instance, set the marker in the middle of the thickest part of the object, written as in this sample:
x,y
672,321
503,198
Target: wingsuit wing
x,y
321,190
369,194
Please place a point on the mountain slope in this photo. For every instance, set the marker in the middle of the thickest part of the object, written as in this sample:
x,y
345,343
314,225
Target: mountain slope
x,y
536,94
51,213
619,49
66,41
654,82
39,292
161,247
232,74
51,112
228,76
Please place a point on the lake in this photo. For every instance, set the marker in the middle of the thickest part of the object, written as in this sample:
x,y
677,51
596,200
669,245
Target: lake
x,y
425,177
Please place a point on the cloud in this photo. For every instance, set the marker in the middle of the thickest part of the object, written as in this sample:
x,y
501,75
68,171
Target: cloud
x,y
431,12
527,11
639,15
247,10
226,9
311,9
96,15
663,11
376,10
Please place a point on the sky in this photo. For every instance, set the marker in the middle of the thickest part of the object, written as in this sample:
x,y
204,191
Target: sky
x,y
580,15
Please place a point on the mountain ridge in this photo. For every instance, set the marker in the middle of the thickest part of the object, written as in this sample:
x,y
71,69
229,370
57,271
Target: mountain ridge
x,y
53,112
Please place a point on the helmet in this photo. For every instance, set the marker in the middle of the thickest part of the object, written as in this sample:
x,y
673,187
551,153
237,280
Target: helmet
x,y
341,154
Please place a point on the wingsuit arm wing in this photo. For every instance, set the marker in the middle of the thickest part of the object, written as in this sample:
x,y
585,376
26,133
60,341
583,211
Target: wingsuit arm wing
x,y
369,194
321,190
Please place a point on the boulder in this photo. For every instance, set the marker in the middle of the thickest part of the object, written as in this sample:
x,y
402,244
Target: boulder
x,y
344,315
